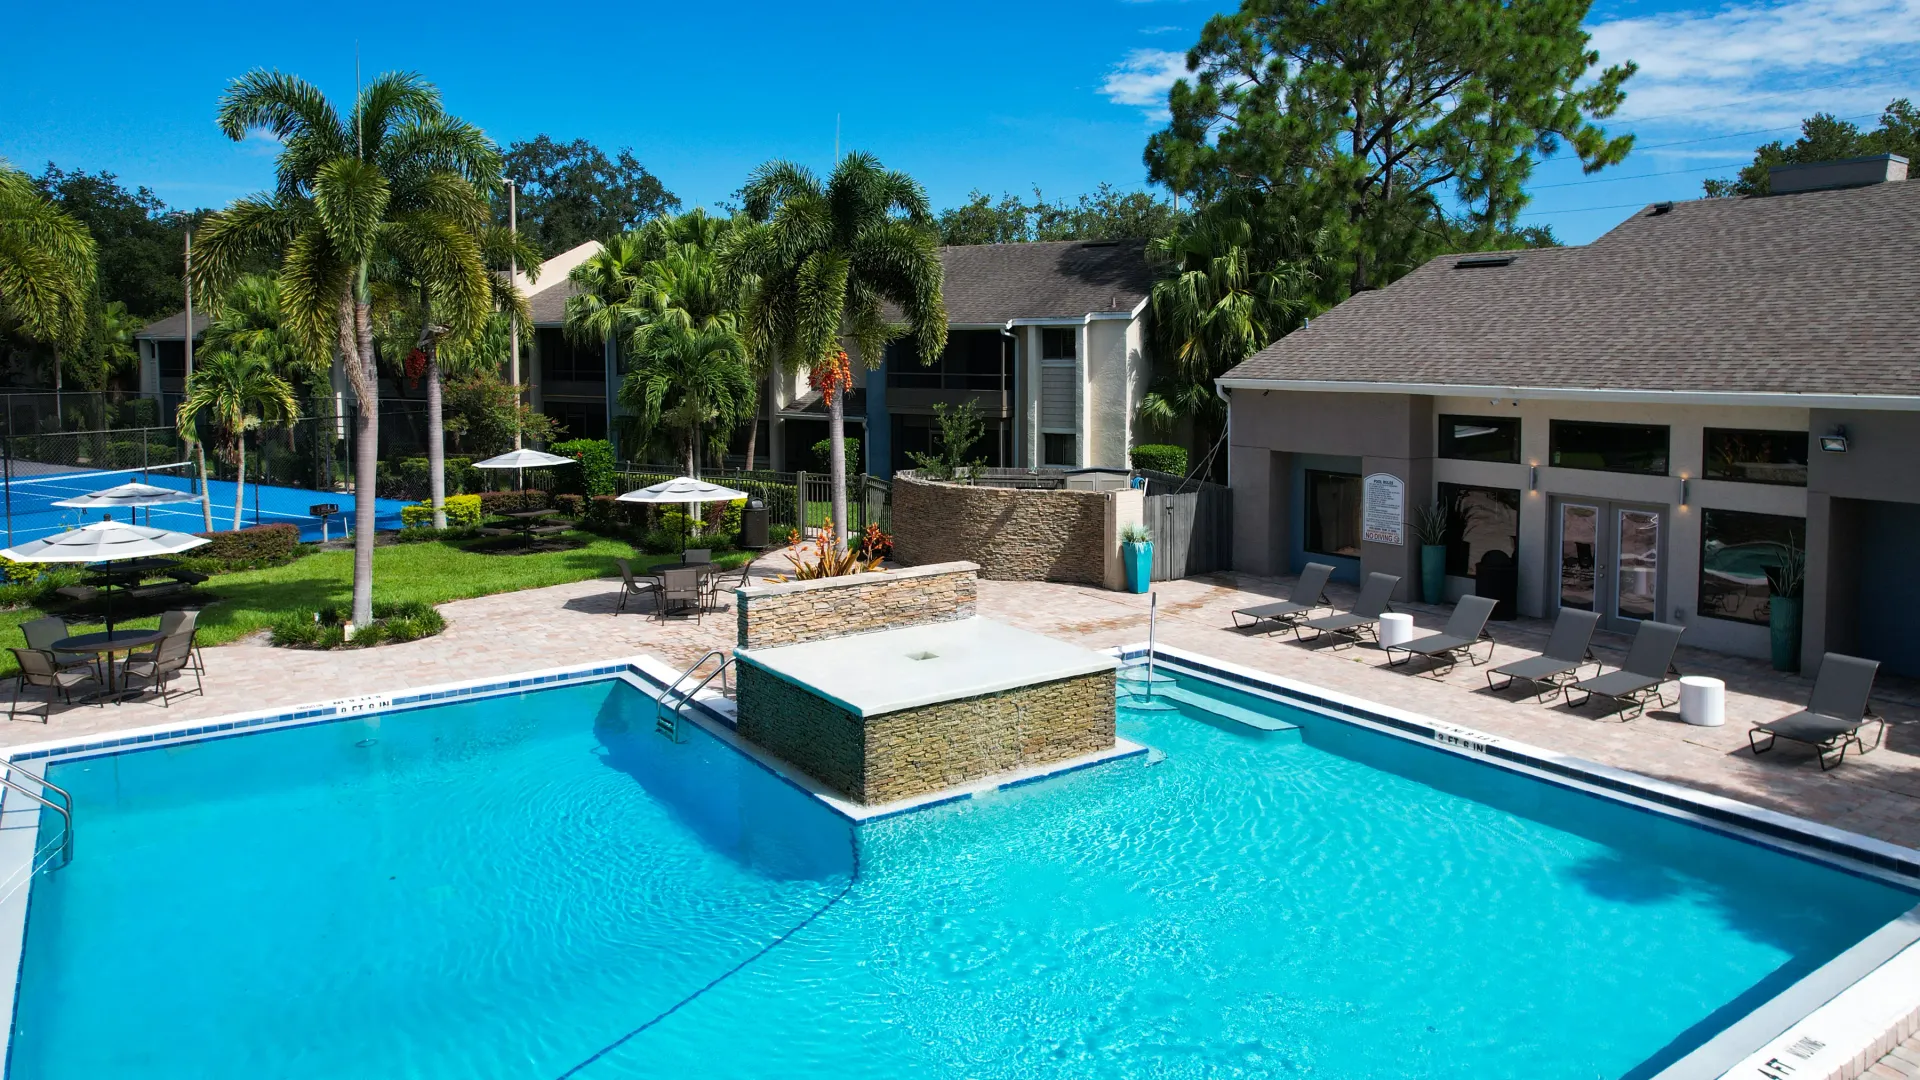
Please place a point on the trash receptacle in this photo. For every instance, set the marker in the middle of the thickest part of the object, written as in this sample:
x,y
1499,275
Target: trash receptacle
x,y
1498,579
753,525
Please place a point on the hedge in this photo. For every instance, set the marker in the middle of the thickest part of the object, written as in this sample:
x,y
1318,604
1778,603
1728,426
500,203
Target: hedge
x,y
462,511
494,503
1161,457
257,544
596,474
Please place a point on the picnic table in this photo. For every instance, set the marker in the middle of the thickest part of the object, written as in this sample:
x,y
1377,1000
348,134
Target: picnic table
x,y
525,524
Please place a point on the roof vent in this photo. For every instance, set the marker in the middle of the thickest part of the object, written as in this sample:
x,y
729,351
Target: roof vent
x,y
1828,175
1663,208
1470,262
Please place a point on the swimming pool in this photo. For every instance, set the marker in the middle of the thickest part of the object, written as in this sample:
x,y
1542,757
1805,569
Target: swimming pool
x,y
536,884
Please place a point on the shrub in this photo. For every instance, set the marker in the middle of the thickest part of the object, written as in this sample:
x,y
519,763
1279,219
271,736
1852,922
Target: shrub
x,y
660,541
1161,457
956,430
258,545
392,622
410,478
596,474
463,511
825,446
572,506
493,503
19,573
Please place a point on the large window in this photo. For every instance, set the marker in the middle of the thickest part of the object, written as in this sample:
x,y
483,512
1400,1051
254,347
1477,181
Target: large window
x,y
1757,457
563,360
1060,449
1058,343
1628,448
1059,397
918,434
173,359
1737,549
1480,438
1333,514
1479,520
973,360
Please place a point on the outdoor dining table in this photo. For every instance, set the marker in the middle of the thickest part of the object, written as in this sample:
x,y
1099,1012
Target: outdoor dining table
x,y
107,643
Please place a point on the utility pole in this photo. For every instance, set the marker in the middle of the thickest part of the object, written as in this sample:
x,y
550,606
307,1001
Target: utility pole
x,y
199,448
513,319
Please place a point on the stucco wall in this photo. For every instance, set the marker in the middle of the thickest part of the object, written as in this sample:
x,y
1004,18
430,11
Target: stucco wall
x,y
1014,535
897,755
790,612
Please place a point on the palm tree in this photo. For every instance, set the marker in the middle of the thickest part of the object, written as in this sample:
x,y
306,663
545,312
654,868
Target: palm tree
x,y
825,260
689,366
230,394
247,319
1214,305
46,266
396,179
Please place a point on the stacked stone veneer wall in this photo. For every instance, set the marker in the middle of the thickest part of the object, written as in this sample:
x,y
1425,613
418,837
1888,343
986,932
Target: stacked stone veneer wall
x,y
1013,534
879,759
790,612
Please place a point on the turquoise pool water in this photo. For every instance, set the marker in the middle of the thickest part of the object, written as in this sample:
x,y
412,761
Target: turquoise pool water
x,y
539,886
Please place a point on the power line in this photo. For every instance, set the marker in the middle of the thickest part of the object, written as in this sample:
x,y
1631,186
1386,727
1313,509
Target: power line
x,y
1584,209
1637,176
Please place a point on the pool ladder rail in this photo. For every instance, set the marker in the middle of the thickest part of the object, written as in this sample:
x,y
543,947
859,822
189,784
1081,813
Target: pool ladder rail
x,y
667,707
64,807
1137,680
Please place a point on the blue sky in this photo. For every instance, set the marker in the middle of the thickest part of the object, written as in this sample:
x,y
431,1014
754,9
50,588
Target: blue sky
x,y
998,96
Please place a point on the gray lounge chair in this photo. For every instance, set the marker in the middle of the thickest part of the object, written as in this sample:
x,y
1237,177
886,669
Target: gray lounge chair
x,y
1649,663
1570,646
1309,595
1465,628
630,588
1834,714
1362,621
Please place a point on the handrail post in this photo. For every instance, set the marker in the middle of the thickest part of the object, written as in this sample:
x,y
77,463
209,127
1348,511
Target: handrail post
x,y
1153,612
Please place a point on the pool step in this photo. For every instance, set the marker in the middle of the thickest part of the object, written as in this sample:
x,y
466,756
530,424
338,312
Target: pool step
x,y
1137,675
1220,712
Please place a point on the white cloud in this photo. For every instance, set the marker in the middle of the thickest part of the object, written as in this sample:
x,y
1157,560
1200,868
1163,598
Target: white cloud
x,y
1143,79
1159,29
1763,64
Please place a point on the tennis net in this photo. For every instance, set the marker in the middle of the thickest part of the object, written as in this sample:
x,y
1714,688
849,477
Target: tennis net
x,y
29,500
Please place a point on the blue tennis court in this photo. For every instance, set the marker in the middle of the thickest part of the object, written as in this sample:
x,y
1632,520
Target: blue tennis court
x,y
31,515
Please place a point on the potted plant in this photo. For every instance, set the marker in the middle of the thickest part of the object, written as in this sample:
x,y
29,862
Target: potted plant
x,y
1785,580
1430,529
1136,554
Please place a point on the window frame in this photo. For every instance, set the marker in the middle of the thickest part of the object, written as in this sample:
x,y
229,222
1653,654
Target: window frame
x,y
1707,516
1448,494
1307,516
1555,426
1454,419
1707,455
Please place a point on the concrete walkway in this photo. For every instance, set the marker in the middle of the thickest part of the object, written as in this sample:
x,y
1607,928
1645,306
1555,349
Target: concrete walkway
x,y
1878,794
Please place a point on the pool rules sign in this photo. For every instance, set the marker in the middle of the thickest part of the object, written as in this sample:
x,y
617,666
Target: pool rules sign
x,y
1383,517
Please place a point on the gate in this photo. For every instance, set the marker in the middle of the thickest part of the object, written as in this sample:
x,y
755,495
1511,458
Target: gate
x,y
1192,528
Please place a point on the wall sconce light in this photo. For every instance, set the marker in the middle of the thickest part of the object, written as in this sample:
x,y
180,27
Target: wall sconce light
x,y
1533,478
1835,443
1684,493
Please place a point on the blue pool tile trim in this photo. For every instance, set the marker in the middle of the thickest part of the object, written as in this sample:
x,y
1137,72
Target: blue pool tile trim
x,y
1743,825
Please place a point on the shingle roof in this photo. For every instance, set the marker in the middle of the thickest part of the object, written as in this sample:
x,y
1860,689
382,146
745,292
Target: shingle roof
x,y
173,327
550,304
992,283
1817,292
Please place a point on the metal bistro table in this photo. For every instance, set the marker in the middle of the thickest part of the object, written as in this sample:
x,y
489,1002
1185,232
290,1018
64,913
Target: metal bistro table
x,y
105,643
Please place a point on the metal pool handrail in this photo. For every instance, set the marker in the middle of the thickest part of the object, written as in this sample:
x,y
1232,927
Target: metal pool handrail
x,y
65,812
666,717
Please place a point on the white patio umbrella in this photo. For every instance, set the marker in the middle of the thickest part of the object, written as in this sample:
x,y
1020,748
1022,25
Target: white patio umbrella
x,y
104,541
524,459
131,496
682,489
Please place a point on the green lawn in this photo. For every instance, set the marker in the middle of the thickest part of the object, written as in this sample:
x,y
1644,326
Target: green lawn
x,y
436,572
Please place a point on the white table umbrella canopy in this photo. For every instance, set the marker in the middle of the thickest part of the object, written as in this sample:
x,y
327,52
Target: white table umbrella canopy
x,y
104,541
129,496
524,459
683,489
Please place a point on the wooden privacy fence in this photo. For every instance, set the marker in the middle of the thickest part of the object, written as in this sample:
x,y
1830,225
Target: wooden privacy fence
x,y
1192,526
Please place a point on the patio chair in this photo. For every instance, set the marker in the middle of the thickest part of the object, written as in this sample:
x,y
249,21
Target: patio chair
x,y
1570,646
728,581
1649,664
42,633
1363,620
1465,628
1834,714
171,623
38,668
171,656
696,556
680,591
630,588
1309,595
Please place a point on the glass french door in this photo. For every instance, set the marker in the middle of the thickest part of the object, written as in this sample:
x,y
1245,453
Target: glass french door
x,y
1610,560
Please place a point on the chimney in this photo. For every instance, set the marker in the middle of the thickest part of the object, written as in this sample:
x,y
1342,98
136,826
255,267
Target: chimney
x,y
1828,175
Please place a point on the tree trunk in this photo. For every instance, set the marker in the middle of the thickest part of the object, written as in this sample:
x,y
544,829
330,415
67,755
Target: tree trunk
x,y
356,340
240,484
436,441
206,485
753,436
837,463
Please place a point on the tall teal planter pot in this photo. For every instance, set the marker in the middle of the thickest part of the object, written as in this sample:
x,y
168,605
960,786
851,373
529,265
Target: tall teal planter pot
x,y
1433,572
1138,559
1783,619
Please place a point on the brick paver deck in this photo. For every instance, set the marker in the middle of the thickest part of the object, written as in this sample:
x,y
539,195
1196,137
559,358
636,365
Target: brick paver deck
x,y
1878,794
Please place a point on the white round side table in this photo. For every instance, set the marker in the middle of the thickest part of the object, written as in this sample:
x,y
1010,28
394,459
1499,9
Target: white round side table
x,y
1396,629
1703,701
